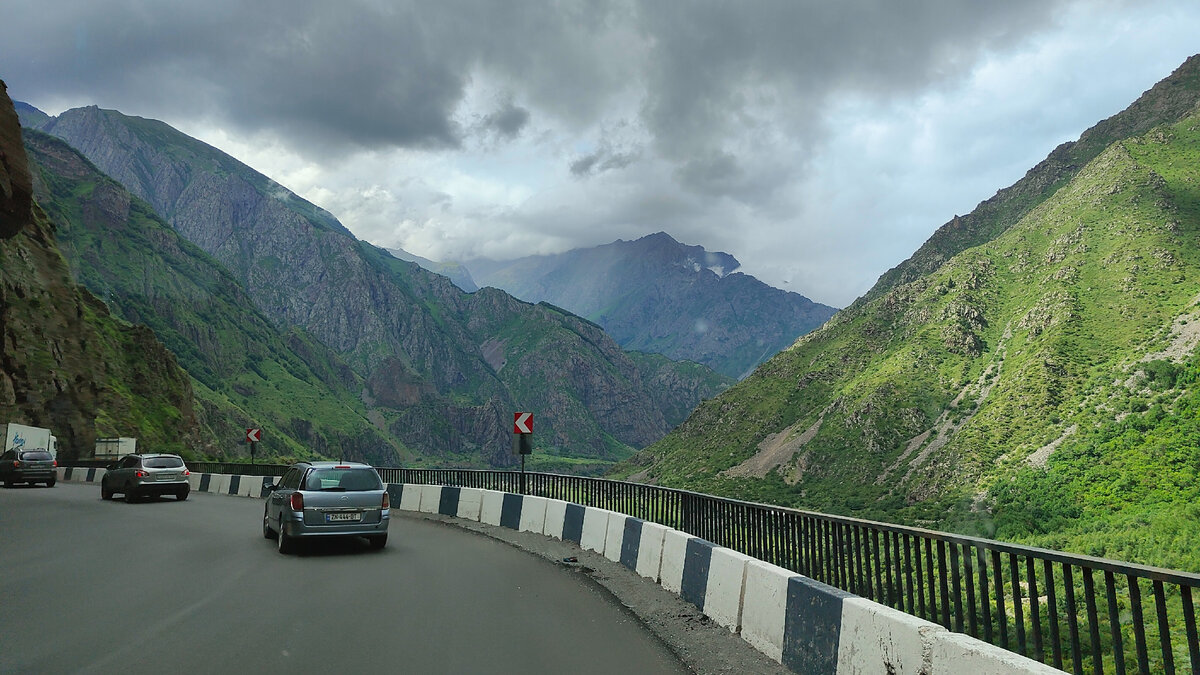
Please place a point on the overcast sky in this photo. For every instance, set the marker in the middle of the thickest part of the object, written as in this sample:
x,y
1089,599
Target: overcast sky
x,y
819,142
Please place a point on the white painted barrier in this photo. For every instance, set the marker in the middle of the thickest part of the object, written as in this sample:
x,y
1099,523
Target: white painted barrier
x,y
726,585
650,550
556,517
431,498
876,638
764,607
955,653
410,498
492,508
533,514
673,557
470,502
595,529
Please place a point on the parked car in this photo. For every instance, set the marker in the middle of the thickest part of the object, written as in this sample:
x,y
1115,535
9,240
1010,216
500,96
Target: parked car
x,y
327,499
146,475
28,466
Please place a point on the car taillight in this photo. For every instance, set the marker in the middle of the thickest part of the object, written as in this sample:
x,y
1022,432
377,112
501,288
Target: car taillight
x,y
55,462
16,463
387,501
141,474
296,502
186,473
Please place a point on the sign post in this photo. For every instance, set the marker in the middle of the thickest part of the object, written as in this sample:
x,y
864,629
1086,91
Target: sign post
x,y
522,439
253,436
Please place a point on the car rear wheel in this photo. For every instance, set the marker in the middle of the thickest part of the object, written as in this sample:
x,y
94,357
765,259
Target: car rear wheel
x,y
181,495
268,533
51,482
286,544
130,497
378,541
105,493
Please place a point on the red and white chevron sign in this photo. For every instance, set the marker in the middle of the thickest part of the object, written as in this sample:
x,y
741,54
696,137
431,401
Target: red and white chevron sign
x,y
523,423
253,435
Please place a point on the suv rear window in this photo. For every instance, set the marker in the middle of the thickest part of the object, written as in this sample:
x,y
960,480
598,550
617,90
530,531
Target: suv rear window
x,y
35,455
162,462
343,480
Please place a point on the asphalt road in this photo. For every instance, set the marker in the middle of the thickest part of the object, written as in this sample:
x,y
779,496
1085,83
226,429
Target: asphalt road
x,y
94,586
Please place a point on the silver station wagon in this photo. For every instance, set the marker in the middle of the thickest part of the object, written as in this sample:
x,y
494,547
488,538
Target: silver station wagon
x,y
327,499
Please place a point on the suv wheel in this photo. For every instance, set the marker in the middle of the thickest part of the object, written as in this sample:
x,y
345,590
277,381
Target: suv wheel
x,y
130,497
105,493
181,495
378,542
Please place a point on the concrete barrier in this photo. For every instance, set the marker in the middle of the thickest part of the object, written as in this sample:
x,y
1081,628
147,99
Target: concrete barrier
x,y
764,607
492,507
674,556
650,550
533,514
556,516
953,653
470,502
431,498
725,587
410,498
595,529
876,638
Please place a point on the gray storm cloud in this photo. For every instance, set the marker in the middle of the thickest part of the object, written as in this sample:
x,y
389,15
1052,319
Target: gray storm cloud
x,y
820,142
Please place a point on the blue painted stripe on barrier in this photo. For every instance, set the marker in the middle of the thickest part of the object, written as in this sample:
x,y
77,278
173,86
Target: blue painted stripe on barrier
x,y
695,571
205,481
68,472
573,523
510,512
235,482
448,506
812,626
91,475
267,482
395,492
631,542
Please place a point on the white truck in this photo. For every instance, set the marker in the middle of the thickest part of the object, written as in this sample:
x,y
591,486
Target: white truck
x,y
24,437
112,448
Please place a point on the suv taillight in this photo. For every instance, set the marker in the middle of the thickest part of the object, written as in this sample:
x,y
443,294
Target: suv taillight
x,y
296,502
387,501
141,474
16,462
55,462
186,473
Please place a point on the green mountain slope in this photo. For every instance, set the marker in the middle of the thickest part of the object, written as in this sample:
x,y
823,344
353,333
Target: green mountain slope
x,y
246,373
66,363
442,370
1039,386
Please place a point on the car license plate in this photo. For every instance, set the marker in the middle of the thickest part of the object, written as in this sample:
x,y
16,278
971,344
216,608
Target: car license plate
x,y
338,517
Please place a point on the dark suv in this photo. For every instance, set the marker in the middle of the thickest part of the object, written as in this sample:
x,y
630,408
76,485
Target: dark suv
x,y
137,476
27,466
327,499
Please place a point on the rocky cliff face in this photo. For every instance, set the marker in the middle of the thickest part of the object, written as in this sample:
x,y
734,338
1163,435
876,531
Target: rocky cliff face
x,y
658,295
66,364
458,364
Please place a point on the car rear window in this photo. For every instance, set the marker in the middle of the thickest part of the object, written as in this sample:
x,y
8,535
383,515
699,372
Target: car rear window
x,y
35,456
343,480
162,462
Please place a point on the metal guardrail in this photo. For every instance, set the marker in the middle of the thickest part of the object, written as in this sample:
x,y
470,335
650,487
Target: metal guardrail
x,y
1075,612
